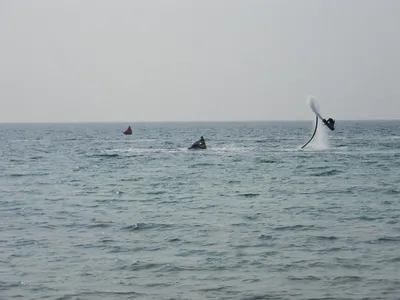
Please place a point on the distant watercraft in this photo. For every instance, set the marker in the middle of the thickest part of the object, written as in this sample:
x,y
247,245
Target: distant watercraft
x,y
128,131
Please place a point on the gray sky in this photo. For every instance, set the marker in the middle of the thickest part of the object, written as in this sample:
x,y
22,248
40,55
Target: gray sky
x,y
182,60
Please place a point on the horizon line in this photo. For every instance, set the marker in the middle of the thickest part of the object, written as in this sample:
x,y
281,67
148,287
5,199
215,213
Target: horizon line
x,y
196,121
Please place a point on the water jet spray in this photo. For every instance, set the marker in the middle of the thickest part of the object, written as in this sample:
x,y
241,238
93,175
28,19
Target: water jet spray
x,y
330,123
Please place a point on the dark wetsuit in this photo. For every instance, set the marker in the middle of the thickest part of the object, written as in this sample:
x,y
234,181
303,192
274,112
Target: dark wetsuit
x,y
202,143
330,123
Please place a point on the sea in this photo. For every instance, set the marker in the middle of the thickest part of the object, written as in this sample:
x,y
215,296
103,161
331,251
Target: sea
x,y
89,213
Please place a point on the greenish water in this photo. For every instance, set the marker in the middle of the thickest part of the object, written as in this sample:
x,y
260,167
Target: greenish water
x,y
88,213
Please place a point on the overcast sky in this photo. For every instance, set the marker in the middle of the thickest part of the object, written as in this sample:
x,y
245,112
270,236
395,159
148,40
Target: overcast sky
x,y
182,60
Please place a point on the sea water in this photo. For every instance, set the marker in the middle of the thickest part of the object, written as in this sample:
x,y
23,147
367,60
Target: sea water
x,y
88,213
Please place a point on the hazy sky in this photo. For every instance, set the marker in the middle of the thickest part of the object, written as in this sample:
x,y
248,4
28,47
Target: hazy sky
x,y
178,60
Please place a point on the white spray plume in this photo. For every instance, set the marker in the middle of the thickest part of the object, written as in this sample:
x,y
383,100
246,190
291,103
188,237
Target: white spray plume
x,y
320,141
314,106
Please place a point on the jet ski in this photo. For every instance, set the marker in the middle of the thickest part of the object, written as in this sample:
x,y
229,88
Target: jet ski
x,y
199,145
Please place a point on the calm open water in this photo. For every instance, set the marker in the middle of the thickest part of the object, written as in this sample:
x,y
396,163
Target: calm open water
x,y
87,213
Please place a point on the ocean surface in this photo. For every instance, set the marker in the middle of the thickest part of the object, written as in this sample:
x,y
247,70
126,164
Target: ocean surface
x,y
88,213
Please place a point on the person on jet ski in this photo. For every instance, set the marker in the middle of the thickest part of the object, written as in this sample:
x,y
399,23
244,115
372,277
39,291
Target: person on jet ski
x,y
200,144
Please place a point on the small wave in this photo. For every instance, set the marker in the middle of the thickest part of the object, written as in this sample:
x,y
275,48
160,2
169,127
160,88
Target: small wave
x,y
391,222
202,165
100,295
100,225
234,181
172,268
16,160
174,240
107,240
156,193
77,169
24,242
132,179
141,226
251,280
27,174
305,278
267,161
266,237
260,296
249,195
216,289
157,284
88,246
392,192
18,175
369,218
105,155
317,168
394,259
332,249
47,226
387,239
387,202
237,159
243,224
252,217
269,253
36,157
347,279
322,237
295,227
327,173
5,285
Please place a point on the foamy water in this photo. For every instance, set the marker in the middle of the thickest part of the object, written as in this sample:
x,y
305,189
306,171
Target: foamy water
x,y
321,139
